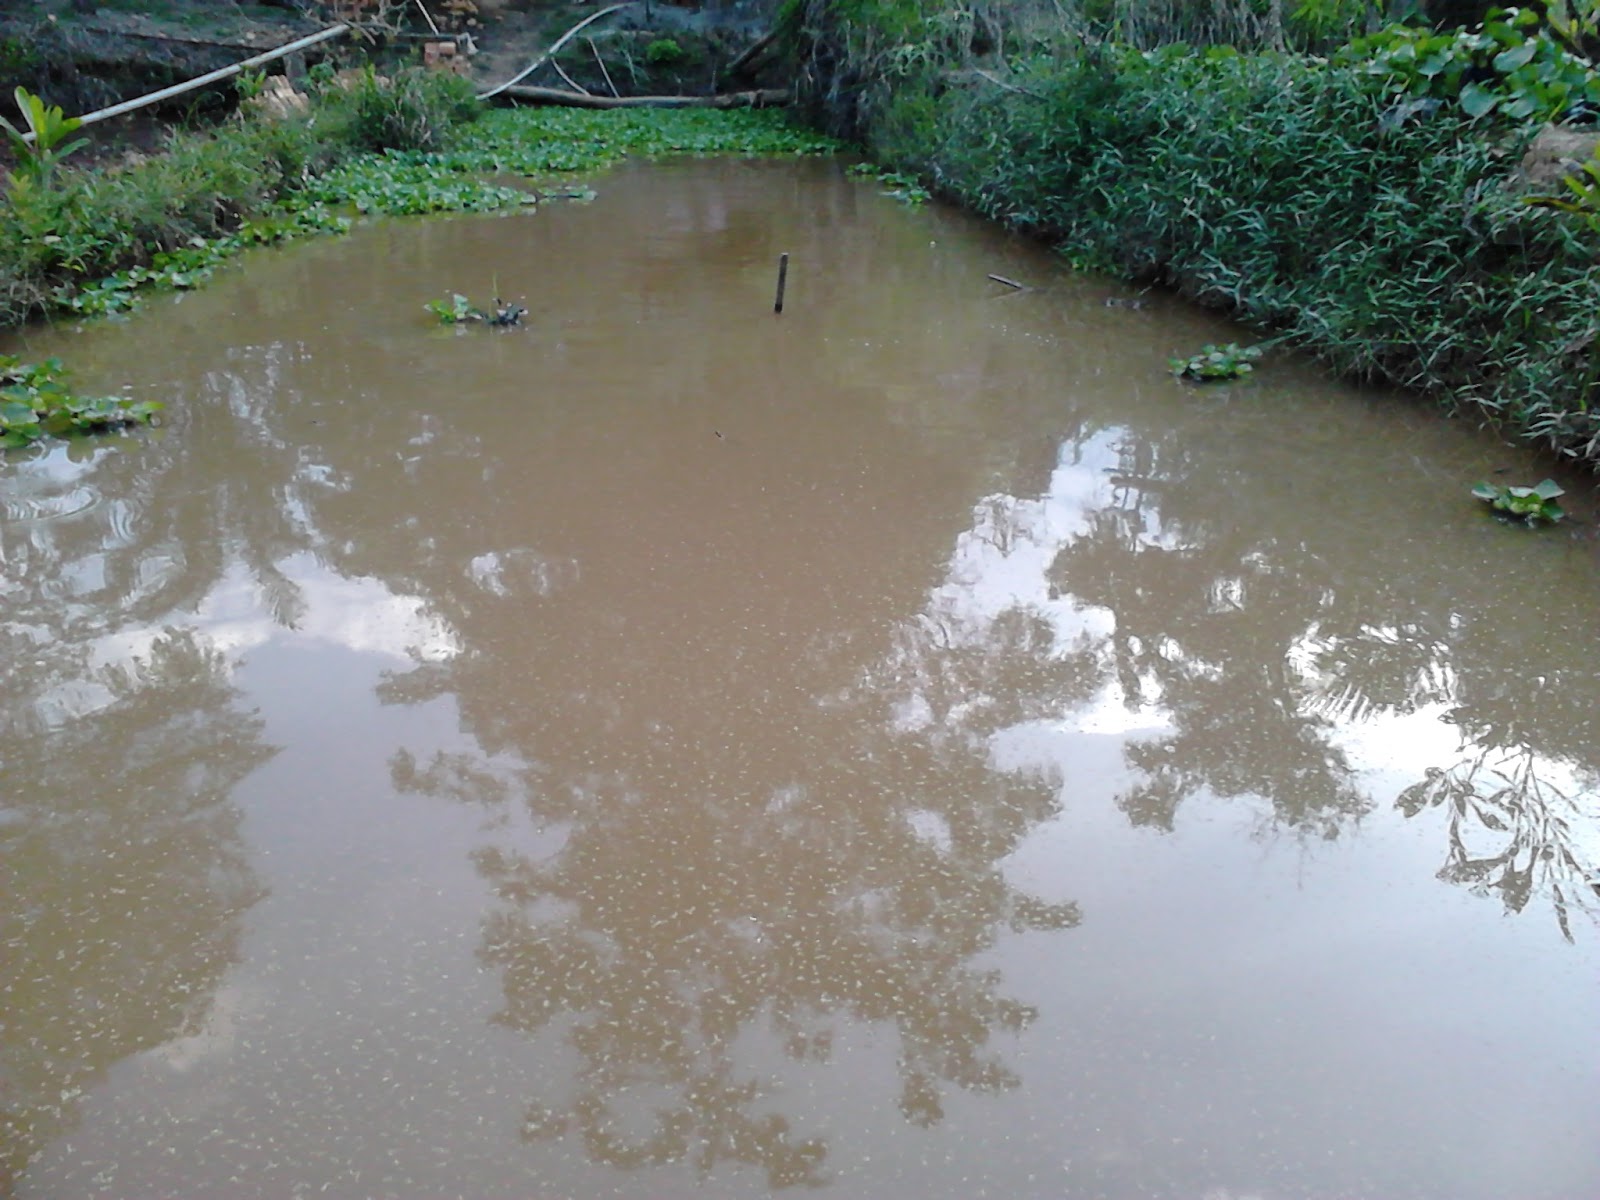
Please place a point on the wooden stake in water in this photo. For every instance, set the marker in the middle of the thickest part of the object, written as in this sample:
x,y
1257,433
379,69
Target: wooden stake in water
x,y
783,278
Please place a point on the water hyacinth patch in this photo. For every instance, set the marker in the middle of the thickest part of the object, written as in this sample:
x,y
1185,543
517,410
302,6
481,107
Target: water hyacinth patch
x,y
456,310
1216,363
902,187
36,403
1529,504
193,264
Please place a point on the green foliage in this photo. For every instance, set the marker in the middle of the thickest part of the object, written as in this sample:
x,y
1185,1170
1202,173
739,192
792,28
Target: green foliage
x,y
192,264
142,226
18,57
539,142
1575,22
250,84
1531,504
408,184
37,156
412,110
92,243
898,184
1511,66
456,310
1279,189
1316,22
1215,363
35,402
663,52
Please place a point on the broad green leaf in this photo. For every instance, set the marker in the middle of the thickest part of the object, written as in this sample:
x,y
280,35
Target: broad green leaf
x,y
1548,489
1509,60
1522,106
1476,100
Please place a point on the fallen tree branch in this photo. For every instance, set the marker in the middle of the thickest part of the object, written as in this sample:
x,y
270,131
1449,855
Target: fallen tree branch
x,y
559,42
569,80
760,98
604,74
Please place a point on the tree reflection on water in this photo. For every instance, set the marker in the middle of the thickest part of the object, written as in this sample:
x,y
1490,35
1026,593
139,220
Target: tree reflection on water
x,y
124,877
814,833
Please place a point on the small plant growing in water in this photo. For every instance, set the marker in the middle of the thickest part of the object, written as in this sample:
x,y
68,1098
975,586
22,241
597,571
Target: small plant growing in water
x,y
1530,504
1216,362
902,187
458,310
35,403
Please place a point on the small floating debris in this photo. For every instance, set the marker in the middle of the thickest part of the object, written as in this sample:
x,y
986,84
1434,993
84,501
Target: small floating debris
x,y
506,315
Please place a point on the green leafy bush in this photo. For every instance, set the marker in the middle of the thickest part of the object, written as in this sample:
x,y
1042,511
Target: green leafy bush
x,y
663,52
413,110
1511,65
1282,190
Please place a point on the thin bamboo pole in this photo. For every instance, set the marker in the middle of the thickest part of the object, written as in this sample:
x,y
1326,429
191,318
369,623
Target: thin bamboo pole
x,y
178,89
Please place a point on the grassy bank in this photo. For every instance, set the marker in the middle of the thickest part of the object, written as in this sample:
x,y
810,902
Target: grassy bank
x,y
90,242
1371,225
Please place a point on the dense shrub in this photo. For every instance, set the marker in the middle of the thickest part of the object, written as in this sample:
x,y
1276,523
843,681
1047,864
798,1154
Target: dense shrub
x,y
413,110
1303,195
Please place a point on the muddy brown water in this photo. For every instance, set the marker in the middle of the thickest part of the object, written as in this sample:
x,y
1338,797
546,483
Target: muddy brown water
x,y
911,746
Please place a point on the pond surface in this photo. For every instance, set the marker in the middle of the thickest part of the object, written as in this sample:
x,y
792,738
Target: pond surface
x,y
911,746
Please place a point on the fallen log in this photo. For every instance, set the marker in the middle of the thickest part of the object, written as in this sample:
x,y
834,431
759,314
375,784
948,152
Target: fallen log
x,y
760,98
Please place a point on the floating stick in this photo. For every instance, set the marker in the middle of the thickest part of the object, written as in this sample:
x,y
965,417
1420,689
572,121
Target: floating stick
x,y
783,278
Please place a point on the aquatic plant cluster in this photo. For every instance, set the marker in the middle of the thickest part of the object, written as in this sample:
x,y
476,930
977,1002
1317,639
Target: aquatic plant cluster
x,y
1361,201
899,185
1529,504
91,242
1213,363
35,402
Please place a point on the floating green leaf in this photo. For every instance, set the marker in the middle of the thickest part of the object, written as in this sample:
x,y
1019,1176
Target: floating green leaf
x,y
1530,504
35,402
1216,363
